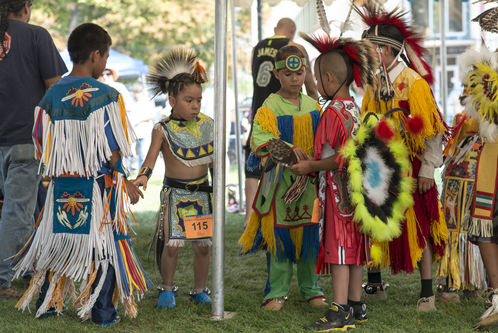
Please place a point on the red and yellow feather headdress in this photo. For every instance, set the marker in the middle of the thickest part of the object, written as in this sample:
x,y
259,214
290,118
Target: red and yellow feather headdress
x,y
373,15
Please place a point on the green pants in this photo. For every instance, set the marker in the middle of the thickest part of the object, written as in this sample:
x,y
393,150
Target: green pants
x,y
280,275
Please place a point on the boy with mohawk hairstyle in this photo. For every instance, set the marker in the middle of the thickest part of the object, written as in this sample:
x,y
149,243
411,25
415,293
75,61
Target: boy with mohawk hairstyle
x,y
80,133
407,86
341,62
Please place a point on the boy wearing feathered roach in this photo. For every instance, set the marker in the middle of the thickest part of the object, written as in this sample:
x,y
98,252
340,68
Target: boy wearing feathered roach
x,y
81,132
342,250
185,139
424,234
281,222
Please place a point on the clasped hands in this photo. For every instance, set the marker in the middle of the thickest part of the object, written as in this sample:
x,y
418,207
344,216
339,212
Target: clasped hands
x,y
303,165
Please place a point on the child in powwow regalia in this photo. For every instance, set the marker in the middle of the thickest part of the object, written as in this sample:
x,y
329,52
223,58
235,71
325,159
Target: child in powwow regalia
x,y
461,267
342,247
281,221
482,105
397,86
81,133
185,139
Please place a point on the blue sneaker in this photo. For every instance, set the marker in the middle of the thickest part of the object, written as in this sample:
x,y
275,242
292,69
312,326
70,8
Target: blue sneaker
x,y
166,299
202,297
116,320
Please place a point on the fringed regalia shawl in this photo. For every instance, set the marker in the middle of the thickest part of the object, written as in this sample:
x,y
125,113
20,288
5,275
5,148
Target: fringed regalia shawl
x,y
285,230
461,267
482,103
83,227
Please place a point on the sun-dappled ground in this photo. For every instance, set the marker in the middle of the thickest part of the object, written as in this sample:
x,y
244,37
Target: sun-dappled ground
x,y
245,279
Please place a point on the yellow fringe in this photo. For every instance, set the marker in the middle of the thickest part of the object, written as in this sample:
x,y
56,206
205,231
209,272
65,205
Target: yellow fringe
x,y
412,227
267,121
122,113
449,265
131,308
303,133
267,229
85,294
247,238
422,105
32,288
296,234
439,231
266,222
379,252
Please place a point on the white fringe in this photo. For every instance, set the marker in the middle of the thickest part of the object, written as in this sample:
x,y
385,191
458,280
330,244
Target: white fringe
x,y
38,280
181,242
87,307
68,254
122,205
476,271
48,297
124,143
481,227
81,147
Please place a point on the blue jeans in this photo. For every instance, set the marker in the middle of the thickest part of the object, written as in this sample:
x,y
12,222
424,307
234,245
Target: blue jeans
x,y
19,181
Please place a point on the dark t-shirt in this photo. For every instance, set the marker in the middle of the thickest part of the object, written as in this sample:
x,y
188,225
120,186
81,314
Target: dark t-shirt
x,y
264,82
32,58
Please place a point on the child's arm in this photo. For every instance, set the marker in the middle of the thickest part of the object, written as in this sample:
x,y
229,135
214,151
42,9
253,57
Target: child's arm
x,y
151,158
133,191
305,167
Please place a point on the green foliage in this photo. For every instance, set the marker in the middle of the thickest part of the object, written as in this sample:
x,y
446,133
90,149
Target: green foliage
x,y
141,28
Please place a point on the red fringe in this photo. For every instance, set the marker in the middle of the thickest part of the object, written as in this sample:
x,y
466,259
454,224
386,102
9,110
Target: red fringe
x,y
426,210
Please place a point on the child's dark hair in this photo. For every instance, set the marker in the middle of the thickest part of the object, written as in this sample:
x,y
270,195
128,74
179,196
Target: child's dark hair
x,y
8,7
85,39
177,69
390,31
283,52
178,83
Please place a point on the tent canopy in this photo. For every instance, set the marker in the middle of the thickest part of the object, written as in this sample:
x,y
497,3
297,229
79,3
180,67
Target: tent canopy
x,y
126,66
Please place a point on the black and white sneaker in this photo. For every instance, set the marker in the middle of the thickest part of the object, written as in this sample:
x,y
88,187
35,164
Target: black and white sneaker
x,y
360,313
336,319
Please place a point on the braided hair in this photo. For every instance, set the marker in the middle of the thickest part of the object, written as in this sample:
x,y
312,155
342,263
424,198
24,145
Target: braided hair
x,y
8,7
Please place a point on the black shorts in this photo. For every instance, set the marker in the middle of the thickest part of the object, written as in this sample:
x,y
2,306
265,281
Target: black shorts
x,y
256,173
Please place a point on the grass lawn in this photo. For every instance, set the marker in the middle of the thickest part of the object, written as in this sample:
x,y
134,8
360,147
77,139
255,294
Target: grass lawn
x,y
245,279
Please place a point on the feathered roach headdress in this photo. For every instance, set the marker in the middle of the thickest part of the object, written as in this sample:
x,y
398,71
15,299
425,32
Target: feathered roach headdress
x,y
361,54
171,65
482,90
373,15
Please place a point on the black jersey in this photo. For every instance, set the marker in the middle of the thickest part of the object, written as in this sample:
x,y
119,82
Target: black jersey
x,y
264,82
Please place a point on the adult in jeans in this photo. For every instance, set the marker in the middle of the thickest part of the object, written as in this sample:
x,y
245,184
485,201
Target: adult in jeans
x,y
29,65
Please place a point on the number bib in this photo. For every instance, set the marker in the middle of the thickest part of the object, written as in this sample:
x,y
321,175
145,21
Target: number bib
x,y
198,226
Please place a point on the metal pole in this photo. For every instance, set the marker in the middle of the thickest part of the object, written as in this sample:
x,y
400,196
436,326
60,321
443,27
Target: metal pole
x,y
238,145
260,20
220,64
442,29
